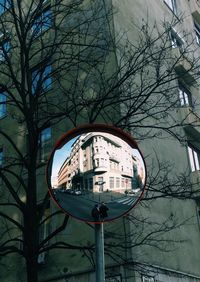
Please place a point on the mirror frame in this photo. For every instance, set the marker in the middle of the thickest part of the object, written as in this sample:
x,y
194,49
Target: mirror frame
x,y
125,136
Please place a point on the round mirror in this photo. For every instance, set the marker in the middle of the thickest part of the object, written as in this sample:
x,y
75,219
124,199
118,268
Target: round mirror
x,y
96,173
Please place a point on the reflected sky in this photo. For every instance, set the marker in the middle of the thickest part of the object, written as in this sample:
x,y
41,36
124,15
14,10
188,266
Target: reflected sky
x,y
61,155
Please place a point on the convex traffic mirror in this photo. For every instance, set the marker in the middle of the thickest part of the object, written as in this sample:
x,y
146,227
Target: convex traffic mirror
x,y
96,173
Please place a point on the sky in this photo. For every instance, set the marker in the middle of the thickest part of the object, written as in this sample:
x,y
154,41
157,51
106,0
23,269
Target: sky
x,y
61,155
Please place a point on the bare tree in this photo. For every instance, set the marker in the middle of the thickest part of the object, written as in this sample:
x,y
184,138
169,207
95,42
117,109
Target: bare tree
x,y
62,65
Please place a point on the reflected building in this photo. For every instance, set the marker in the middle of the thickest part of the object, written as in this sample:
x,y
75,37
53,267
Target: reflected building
x,y
100,162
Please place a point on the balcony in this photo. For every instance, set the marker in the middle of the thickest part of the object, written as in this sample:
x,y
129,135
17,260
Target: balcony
x,y
195,180
100,169
114,157
102,154
190,120
183,66
195,9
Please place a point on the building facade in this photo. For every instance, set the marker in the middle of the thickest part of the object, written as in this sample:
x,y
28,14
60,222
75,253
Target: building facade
x,y
184,156
59,64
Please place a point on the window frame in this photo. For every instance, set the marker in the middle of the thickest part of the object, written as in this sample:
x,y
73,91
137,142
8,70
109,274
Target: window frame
x,y
117,182
5,46
185,96
4,7
147,278
1,156
198,212
194,157
44,231
3,107
176,40
45,144
40,25
172,5
197,31
114,278
112,182
41,79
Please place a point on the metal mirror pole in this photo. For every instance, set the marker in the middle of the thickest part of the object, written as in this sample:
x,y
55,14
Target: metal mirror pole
x,y
99,249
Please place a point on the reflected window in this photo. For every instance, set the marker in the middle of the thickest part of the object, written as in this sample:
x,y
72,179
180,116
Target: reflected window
x,y
91,183
97,162
111,180
194,157
117,182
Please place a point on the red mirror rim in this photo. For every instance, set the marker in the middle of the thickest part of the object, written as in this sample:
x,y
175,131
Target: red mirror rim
x,y
125,136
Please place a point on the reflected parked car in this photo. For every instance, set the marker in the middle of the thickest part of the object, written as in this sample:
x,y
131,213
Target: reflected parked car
x,y
69,191
73,192
132,192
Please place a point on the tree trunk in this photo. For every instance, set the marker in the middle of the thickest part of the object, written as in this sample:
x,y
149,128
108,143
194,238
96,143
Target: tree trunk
x,y
31,217
31,266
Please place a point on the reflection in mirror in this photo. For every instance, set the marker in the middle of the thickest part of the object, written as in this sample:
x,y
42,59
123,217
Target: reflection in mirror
x,y
97,176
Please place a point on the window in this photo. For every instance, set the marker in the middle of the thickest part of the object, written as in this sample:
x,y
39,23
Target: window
x,y
111,179
100,183
97,163
197,32
194,157
184,96
45,143
198,212
172,5
4,5
147,279
4,49
44,231
2,105
42,23
114,278
117,182
100,179
176,40
91,183
41,80
1,156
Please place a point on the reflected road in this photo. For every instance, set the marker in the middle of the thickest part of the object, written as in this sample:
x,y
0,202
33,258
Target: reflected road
x,y
81,206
